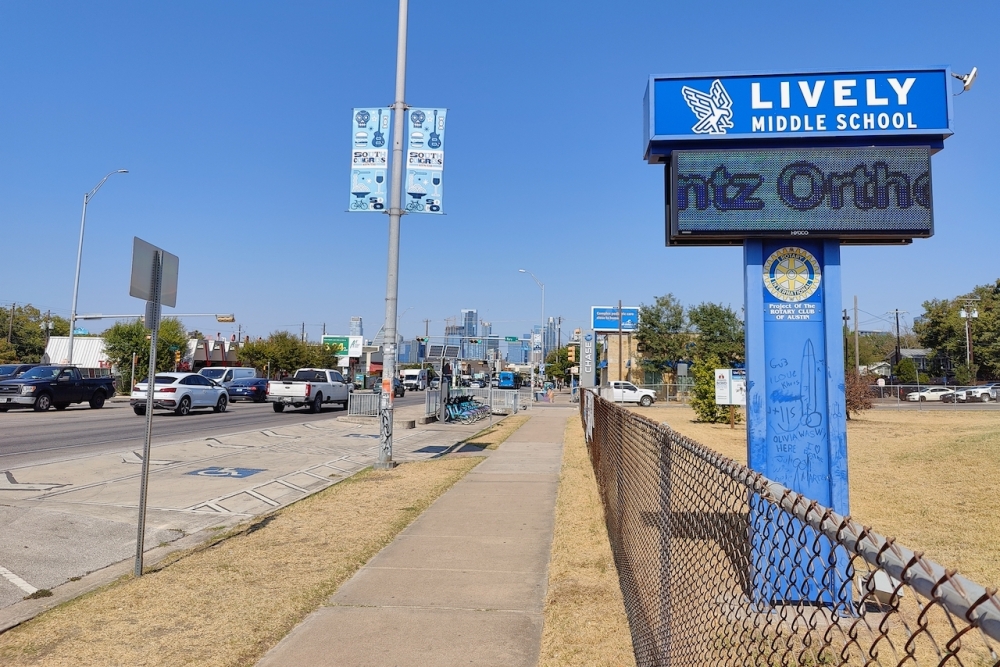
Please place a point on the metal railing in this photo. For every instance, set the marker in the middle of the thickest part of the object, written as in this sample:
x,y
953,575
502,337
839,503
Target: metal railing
x,y
363,404
501,401
719,565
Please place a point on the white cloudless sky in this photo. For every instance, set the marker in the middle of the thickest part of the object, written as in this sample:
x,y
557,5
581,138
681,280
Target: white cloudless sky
x,y
234,119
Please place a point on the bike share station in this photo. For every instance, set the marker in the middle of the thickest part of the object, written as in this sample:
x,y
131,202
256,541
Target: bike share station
x,y
792,166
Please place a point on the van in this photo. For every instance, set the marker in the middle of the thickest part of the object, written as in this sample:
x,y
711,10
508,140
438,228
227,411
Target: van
x,y
226,375
415,379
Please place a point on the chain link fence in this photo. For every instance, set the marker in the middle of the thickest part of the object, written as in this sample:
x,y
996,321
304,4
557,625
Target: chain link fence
x,y
719,565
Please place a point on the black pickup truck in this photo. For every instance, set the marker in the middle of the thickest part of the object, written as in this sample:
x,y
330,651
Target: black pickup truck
x,y
43,387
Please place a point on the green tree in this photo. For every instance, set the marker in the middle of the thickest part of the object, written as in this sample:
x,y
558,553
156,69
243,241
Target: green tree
x,y
124,339
557,363
7,352
283,351
27,331
703,393
942,329
906,372
718,332
662,332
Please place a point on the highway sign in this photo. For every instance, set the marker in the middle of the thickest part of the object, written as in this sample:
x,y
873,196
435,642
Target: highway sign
x,y
511,339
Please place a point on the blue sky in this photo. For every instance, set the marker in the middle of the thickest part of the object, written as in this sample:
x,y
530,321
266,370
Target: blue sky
x,y
234,121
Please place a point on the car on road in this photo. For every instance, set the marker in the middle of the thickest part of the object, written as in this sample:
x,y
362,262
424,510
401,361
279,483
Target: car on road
x,y
248,389
43,387
398,389
928,394
310,387
11,371
181,393
226,375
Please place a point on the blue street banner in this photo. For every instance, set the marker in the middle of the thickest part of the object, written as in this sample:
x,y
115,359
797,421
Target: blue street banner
x,y
813,105
369,159
423,186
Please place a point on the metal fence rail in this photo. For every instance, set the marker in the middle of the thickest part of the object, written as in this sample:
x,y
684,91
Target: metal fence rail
x,y
363,404
501,401
720,566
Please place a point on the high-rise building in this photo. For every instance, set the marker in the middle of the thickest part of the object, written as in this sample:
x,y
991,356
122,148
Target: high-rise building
x,y
550,335
356,328
470,319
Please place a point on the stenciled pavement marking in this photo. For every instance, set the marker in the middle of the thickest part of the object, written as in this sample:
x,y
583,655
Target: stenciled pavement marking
x,y
17,581
136,457
8,483
271,434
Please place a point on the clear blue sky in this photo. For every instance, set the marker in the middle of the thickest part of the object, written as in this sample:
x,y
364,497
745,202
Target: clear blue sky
x,y
234,121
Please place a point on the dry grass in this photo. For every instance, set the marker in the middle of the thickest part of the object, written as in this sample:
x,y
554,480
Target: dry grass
x,y
585,620
492,436
226,604
926,477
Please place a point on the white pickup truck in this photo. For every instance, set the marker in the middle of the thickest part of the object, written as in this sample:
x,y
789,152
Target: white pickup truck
x,y
308,387
626,392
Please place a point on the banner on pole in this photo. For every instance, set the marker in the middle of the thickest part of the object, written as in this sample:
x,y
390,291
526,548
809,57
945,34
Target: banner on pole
x,y
369,159
424,186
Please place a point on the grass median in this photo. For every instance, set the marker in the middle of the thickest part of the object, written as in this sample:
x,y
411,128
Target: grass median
x,y
585,620
225,604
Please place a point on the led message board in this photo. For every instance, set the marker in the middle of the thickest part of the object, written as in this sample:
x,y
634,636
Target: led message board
x,y
869,195
805,108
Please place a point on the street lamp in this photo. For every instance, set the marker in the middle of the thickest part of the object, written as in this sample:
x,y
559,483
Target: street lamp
x,y
79,256
541,287
968,313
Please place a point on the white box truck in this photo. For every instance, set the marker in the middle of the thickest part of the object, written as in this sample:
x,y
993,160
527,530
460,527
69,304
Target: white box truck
x,y
415,379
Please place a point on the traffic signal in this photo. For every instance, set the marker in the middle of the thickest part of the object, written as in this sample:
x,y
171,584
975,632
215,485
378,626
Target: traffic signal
x,y
177,357
421,340
571,353
474,340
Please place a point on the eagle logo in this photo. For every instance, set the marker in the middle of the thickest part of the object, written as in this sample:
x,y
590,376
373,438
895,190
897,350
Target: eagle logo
x,y
714,109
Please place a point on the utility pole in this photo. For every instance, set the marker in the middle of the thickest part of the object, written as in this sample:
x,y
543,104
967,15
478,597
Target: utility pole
x,y
857,352
898,354
619,339
10,329
324,328
303,332
385,461
559,332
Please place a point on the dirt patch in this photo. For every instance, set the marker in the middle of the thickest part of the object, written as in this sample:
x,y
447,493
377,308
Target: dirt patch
x,y
226,603
585,621
926,477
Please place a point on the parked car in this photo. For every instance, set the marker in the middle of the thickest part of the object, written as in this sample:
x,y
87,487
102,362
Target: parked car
x,y
952,396
9,371
180,392
43,387
248,389
226,375
308,387
928,394
982,394
398,389
626,392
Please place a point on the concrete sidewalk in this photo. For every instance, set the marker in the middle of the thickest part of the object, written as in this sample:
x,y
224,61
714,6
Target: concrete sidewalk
x,y
464,584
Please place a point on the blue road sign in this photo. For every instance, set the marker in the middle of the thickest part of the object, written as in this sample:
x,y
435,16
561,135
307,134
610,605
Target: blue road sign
x,y
809,106
231,473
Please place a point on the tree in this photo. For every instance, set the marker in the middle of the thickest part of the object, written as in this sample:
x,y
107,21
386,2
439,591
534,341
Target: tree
x,y
858,393
942,329
906,372
703,393
7,352
27,331
124,339
285,352
557,363
718,332
662,332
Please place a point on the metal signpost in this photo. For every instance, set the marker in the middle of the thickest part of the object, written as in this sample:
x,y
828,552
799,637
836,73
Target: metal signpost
x,y
792,166
154,278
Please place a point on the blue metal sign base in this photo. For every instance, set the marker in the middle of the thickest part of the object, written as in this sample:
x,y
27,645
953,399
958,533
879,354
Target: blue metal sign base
x,y
796,419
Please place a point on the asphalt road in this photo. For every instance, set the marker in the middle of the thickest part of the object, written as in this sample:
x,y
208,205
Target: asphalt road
x,y
29,438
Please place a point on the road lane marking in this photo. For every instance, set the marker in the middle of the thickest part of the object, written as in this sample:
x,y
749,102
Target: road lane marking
x,y
17,581
8,483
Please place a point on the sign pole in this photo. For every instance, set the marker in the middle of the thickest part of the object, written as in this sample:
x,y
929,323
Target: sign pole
x,y
385,461
153,321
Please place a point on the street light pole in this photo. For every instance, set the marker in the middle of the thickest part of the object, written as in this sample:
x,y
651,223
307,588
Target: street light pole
x,y
541,287
385,461
79,256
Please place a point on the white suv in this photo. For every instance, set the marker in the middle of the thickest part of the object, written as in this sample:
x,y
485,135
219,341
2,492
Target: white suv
x,y
626,392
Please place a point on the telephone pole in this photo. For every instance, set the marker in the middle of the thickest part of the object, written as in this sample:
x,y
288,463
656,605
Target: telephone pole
x,y
10,329
846,329
303,332
857,353
899,356
427,328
